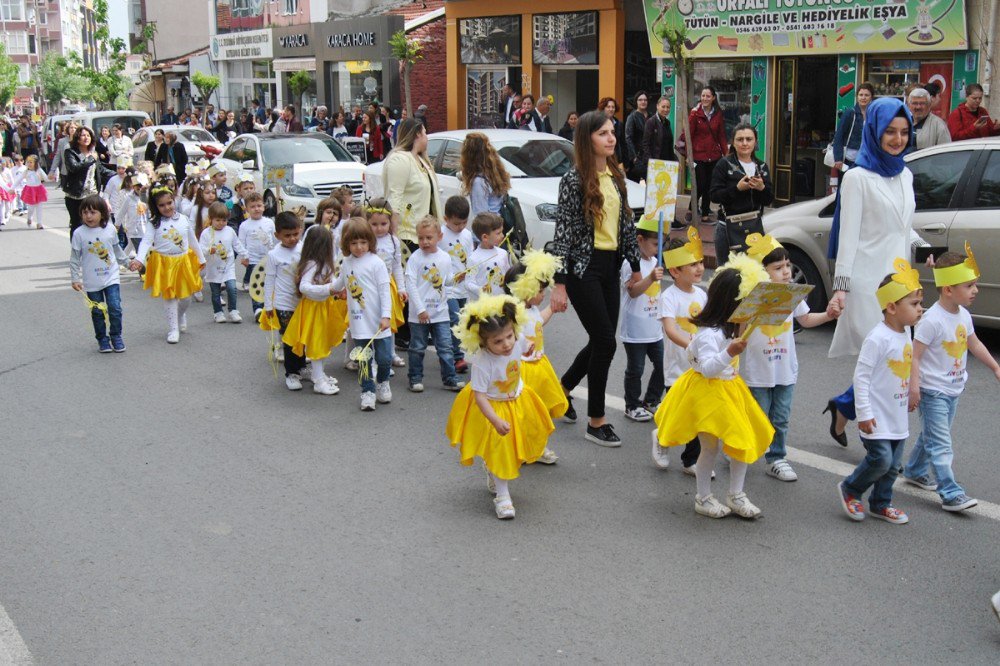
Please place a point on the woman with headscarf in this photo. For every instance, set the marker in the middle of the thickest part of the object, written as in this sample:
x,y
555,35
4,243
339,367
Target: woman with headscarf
x,y
872,226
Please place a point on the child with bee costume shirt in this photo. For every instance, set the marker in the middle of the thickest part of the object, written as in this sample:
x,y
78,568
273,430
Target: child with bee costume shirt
x,y
221,248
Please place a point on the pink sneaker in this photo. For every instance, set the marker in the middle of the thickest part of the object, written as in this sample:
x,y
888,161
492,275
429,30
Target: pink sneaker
x,y
891,514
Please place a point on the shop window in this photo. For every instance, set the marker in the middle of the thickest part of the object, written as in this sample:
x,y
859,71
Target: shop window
x,y
892,76
731,81
936,176
451,161
358,82
483,89
989,187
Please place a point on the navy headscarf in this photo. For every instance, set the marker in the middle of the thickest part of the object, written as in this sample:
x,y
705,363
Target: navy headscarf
x,y
880,114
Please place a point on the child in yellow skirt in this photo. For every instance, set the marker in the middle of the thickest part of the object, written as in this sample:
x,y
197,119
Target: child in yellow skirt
x,y
172,259
710,401
320,319
496,417
390,250
528,282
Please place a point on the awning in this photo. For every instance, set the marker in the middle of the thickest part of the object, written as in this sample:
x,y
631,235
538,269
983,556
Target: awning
x,y
294,64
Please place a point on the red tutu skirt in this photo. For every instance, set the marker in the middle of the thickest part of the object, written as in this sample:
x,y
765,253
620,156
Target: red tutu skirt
x,y
34,194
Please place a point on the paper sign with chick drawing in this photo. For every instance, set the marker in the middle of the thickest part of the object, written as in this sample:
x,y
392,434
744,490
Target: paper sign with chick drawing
x,y
769,304
662,178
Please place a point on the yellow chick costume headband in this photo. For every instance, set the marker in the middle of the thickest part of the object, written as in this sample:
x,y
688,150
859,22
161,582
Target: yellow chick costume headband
x,y
485,309
905,280
691,253
967,271
539,268
751,272
761,246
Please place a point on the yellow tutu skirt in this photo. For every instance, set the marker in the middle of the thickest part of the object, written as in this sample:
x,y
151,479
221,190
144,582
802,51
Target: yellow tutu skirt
x,y
397,306
316,327
269,321
530,427
720,407
172,276
541,377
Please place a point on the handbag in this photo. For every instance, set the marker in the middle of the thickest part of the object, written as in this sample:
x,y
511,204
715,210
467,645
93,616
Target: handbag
x,y
738,227
513,224
828,158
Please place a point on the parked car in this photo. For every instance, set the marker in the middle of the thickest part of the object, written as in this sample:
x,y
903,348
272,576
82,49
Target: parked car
x,y
534,161
957,189
193,138
49,131
321,165
96,120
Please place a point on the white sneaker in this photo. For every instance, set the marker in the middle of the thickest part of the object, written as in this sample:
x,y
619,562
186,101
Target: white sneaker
x,y
184,323
198,297
504,508
325,387
398,362
220,317
383,393
241,287
711,507
781,470
742,505
173,336
234,316
417,388
639,414
995,602
352,366
548,457
368,401
660,458
293,382
279,353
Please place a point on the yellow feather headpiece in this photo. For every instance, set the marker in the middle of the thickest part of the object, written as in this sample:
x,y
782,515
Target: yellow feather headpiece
x,y
539,268
486,308
691,253
750,270
905,280
761,246
967,271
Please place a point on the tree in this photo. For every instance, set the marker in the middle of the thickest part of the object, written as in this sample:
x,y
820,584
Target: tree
x,y
146,43
9,77
110,87
60,79
674,39
206,84
299,82
407,52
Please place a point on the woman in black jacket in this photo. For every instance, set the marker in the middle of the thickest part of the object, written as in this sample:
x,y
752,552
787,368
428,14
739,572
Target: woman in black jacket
x,y
173,152
742,184
84,173
594,234
226,125
153,146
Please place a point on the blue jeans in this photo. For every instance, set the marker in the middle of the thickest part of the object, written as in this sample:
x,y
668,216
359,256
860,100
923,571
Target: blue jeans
x,y
776,402
635,355
112,296
217,295
455,306
879,469
933,447
382,348
440,333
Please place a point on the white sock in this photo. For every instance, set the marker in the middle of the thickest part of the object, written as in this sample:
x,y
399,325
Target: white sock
x,y
317,370
170,310
706,463
737,475
501,486
182,306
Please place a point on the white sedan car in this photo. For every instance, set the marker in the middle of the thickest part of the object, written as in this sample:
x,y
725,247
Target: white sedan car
x,y
320,163
534,161
193,139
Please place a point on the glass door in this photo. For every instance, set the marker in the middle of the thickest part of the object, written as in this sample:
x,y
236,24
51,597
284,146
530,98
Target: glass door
x,y
783,173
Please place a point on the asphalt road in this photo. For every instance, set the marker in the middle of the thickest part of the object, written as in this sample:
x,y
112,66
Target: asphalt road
x,y
176,504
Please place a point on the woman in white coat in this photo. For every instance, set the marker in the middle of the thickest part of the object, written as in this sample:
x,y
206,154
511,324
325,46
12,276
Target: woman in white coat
x,y
873,224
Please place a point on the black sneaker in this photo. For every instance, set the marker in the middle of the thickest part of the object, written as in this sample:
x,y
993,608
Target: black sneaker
x,y
570,415
603,436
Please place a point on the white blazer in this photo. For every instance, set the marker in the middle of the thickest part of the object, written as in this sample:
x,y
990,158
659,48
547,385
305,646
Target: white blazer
x,y
876,227
411,189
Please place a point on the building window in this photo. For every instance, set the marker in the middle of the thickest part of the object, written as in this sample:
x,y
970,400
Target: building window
x,y
291,6
16,43
12,10
23,72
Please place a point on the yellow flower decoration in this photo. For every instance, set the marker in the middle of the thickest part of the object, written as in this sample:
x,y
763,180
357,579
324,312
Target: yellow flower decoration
x,y
539,268
476,312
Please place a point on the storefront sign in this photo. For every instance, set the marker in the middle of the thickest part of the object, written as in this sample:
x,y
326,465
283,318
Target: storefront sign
x,y
248,45
351,39
297,41
728,28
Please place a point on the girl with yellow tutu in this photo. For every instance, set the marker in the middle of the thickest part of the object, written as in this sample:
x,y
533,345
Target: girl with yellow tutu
x,y
497,417
710,401
528,282
172,259
389,249
320,319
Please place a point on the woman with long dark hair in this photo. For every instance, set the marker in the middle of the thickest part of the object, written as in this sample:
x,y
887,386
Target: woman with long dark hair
x,y
484,180
83,173
594,234
708,145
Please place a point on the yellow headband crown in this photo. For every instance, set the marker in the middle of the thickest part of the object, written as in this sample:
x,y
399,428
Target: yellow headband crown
x,y
967,271
760,246
539,268
690,253
478,311
905,280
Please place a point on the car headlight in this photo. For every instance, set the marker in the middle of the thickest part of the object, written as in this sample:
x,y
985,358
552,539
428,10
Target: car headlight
x,y
547,212
298,190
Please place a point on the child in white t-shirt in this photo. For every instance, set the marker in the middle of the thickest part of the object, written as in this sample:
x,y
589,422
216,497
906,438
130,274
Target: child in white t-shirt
x,y
489,262
281,293
769,365
222,248
457,241
640,330
881,393
389,249
257,235
941,343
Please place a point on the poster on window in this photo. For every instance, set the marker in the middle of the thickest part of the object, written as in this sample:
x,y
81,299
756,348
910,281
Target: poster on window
x,y
485,89
491,40
565,39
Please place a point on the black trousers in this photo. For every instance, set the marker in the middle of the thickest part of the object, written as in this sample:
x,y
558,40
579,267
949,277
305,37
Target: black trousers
x,y
596,298
703,178
403,334
294,364
73,208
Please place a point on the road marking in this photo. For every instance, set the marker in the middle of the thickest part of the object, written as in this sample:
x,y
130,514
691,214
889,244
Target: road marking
x,y
824,464
13,651
58,232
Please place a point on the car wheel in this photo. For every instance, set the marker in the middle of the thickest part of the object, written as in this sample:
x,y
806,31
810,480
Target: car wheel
x,y
270,204
805,272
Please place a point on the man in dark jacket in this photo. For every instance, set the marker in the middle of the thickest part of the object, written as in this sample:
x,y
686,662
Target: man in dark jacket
x,y
542,108
506,106
169,118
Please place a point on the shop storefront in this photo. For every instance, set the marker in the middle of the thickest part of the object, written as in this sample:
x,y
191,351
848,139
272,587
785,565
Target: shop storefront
x,y
572,52
791,68
295,51
354,63
244,62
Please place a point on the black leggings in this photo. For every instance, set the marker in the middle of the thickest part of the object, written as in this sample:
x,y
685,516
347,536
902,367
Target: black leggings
x,y
703,178
73,207
596,298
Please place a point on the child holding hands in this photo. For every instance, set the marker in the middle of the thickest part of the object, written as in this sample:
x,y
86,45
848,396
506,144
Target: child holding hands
x,y
94,269
221,247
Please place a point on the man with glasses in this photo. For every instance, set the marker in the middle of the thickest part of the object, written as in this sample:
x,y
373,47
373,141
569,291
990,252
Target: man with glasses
x,y
930,130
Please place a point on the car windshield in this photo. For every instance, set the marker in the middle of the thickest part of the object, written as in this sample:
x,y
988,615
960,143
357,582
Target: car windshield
x,y
545,158
301,149
193,134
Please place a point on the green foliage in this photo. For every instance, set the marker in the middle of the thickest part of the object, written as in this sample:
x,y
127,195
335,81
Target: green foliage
x,y
206,84
8,77
299,82
145,42
407,52
62,78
